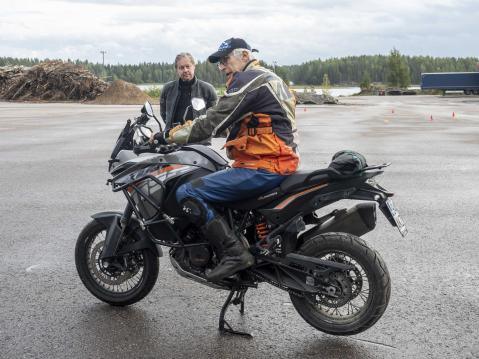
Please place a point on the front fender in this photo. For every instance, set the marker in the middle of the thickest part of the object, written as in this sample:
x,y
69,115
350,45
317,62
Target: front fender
x,y
111,221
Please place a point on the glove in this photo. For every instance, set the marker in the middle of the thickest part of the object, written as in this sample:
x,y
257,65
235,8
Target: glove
x,y
180,133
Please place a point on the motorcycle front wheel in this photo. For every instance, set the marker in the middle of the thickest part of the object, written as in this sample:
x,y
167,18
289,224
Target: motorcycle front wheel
x,y
126,282
361,294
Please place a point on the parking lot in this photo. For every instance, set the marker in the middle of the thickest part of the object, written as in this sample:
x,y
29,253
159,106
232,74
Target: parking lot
x,y
53,171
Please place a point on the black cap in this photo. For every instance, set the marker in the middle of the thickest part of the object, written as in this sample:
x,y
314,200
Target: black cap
x,y
227,46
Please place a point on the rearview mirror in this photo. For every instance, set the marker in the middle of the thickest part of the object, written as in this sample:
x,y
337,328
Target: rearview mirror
x,y
147,109
198,103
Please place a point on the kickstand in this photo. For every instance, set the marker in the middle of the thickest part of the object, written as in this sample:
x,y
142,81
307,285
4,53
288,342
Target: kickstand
x,y
238,299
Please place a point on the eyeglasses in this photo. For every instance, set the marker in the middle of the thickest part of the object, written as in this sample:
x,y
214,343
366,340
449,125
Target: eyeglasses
x,y
223,60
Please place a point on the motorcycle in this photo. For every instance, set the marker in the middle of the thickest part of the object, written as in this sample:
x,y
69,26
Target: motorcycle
x,y
336,281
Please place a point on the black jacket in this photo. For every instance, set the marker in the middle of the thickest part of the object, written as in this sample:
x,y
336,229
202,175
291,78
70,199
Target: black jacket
x,y
170,93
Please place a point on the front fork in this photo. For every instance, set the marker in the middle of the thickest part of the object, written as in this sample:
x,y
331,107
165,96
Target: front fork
x,y
115,233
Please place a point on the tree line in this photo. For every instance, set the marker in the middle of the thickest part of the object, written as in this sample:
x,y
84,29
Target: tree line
x,y
394,69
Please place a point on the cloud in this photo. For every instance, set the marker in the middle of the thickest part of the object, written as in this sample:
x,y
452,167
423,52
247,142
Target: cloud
x,y
284,31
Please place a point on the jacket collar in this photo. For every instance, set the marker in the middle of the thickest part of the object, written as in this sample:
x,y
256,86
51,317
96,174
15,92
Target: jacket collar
x,y
192,82
251,64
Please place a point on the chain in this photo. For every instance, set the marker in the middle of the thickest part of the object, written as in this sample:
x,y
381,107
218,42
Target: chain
x,y
280,286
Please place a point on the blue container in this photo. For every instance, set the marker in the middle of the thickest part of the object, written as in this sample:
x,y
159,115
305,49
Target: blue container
x,y
451,81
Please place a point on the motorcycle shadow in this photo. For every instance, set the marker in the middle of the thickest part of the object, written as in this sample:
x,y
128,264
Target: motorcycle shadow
x,y
328,347
134,330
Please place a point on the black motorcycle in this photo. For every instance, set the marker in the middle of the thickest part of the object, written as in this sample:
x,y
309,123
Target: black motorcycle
x,y
336,282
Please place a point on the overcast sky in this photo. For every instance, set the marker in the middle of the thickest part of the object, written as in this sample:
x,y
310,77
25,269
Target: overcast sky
x,y
289,32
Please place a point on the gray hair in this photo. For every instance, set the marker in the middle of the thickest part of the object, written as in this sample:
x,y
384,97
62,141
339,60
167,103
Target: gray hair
x,y
182,55
239,52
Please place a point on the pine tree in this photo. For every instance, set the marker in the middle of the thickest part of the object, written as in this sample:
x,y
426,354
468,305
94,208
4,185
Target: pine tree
x,y
398,70
365,81
326,85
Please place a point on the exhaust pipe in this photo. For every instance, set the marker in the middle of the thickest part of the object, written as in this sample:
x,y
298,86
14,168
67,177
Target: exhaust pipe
x,y
358,220
196,278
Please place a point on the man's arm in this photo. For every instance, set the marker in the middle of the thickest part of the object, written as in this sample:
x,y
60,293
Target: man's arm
x,y
230,108
202,127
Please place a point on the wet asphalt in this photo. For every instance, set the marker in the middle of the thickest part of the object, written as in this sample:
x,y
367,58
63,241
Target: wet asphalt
x,y
52,176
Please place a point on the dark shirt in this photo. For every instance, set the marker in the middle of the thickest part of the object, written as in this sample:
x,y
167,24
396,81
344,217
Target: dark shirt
x,y
183,110
170,97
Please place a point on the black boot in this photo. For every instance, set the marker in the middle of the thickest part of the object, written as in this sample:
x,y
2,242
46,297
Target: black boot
x,y
235,256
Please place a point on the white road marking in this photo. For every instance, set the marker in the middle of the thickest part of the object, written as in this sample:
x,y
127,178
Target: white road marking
x,y
29,269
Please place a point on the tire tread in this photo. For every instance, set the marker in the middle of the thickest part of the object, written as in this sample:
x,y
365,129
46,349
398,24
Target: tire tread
x,y
382,282
118,299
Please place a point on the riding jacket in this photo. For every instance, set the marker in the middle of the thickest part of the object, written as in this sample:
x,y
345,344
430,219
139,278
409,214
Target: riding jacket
x,y
258,111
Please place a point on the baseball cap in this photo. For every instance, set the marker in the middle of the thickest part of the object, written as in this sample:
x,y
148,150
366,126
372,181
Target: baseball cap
x,y
227,46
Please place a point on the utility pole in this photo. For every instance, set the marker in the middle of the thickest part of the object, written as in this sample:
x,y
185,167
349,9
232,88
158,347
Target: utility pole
x,y
274,66
103,52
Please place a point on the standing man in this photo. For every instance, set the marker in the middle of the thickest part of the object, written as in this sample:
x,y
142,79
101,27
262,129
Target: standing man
x,y
258,110
186,98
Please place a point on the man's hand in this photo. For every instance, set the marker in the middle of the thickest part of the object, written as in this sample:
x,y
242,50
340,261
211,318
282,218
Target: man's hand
x,y
180,133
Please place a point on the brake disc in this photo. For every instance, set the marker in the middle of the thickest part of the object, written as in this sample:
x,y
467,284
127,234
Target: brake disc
x,y
341,290
103,274
357,279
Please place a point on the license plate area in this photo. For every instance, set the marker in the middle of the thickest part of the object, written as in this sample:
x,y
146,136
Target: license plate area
x,y
401,226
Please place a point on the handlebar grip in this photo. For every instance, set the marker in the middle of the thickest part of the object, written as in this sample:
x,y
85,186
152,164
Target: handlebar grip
x,y
143,149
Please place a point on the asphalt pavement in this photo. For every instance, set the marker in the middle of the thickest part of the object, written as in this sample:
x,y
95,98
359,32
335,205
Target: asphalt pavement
x,y
53,171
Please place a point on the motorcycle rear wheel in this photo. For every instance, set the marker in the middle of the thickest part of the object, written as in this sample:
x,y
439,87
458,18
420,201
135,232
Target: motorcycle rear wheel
x,y
365,290
118,288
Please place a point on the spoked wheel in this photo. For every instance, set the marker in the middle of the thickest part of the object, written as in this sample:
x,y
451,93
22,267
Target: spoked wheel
x,y
121,281
356,298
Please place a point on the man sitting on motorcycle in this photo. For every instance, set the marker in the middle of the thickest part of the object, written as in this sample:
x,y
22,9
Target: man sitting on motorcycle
x,y
258,110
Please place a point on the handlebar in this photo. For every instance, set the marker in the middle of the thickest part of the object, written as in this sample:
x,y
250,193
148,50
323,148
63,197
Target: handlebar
x,y
144,149
152,148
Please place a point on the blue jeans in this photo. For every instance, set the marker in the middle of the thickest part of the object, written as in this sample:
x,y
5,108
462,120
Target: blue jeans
x,y
229,185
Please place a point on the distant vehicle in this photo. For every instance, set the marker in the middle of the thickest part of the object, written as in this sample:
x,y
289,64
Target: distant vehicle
x,y
468,82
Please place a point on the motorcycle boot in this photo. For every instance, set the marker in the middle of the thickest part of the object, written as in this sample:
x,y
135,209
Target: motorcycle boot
x,y
235,256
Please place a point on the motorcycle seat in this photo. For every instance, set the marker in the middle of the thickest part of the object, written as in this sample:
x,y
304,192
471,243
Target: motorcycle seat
x,y
294,182
305,178
297,181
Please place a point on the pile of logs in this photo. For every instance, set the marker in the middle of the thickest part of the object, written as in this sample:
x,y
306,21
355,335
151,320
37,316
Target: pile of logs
x,y
49,81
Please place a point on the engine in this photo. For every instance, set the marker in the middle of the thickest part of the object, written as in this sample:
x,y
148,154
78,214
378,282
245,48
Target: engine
x,y
194,258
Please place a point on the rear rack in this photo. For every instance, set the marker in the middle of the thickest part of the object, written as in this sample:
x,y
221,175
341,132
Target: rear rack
x,y
376,167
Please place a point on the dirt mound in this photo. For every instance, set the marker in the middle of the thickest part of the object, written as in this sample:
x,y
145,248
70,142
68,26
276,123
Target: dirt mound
x,y
314,99
122,93
49,81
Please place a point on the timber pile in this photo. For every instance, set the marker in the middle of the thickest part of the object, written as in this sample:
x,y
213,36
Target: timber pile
x,y
122,93
49,81
309,98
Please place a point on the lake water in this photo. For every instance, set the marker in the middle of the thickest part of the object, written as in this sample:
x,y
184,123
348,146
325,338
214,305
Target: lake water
x,y
337,91
144,87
